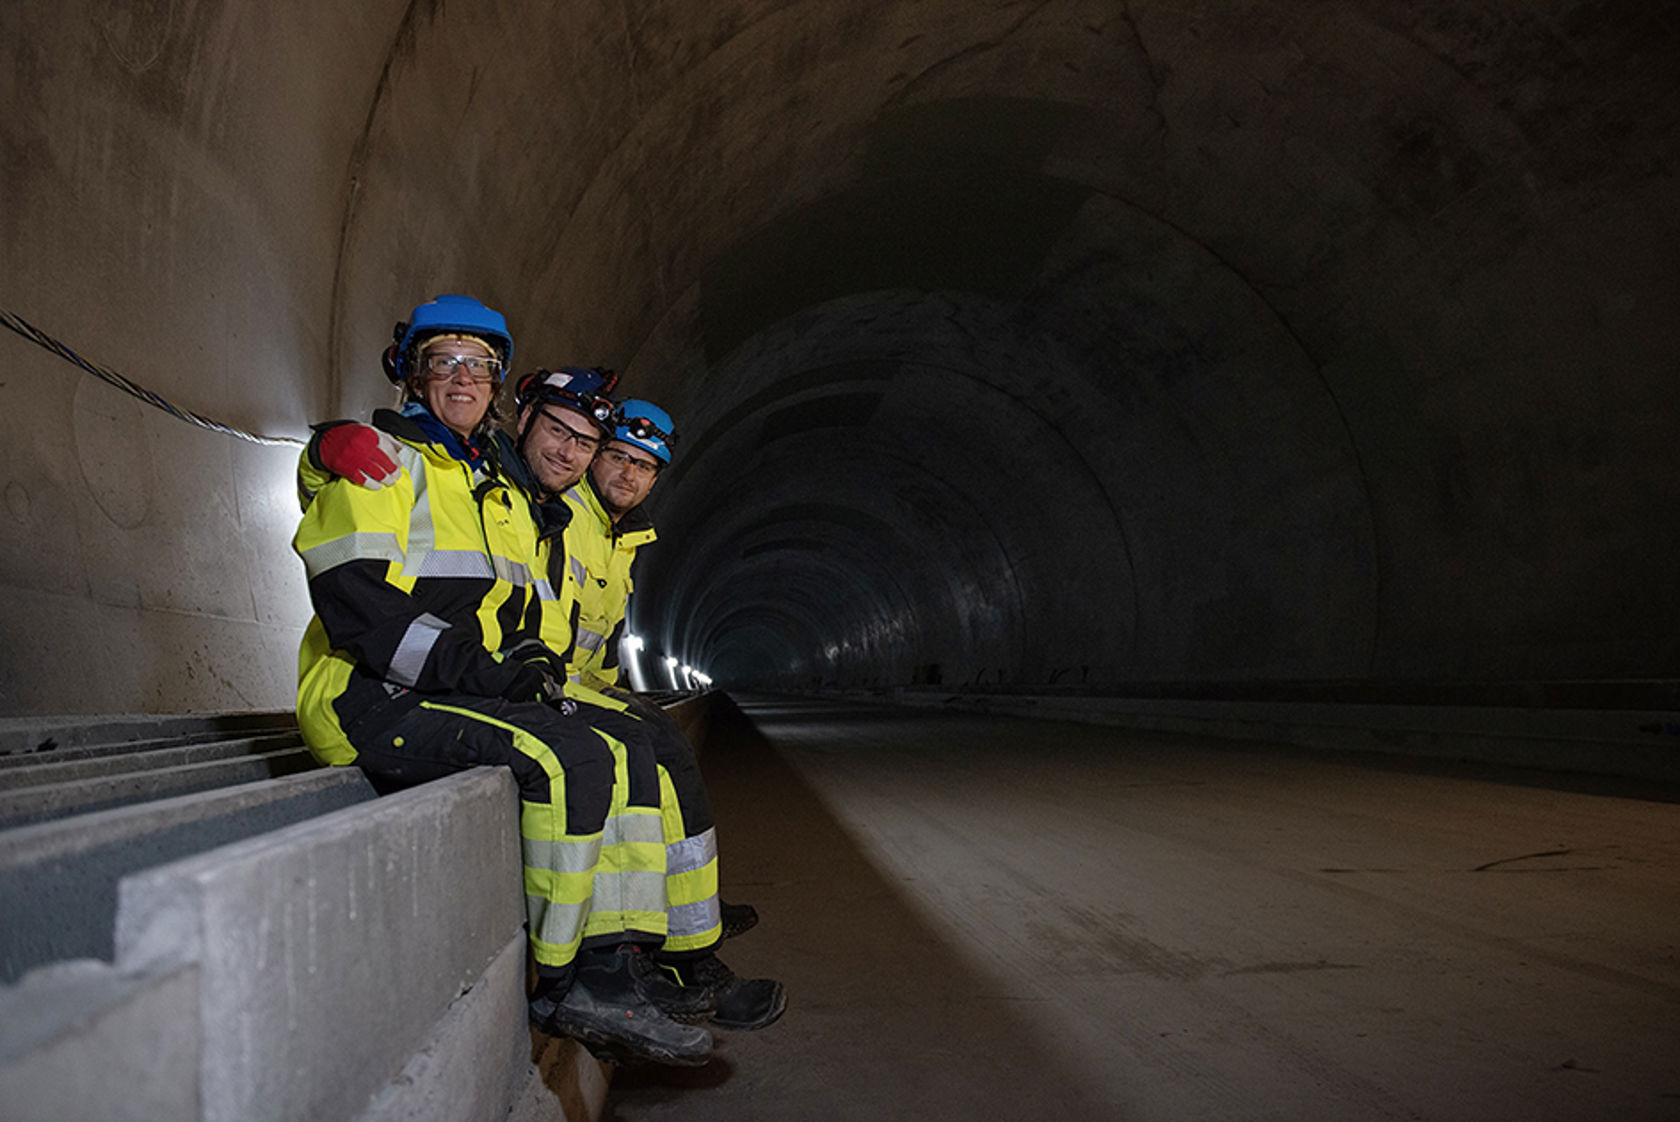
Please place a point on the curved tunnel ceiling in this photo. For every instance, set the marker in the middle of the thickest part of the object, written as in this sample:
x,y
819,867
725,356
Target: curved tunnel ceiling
x,y
1072,342
1090,342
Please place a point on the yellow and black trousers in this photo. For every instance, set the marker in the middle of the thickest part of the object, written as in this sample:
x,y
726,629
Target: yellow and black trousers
x,y
590,827
693,912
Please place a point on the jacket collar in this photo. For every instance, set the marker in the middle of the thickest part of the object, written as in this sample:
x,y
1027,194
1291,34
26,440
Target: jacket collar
x,y
416,424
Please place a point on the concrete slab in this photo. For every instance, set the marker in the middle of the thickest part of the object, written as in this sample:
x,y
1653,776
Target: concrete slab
x,y
476,1061
38,804
1628,743
58,879
84,1041
42,771
564,1083
329,950
66,733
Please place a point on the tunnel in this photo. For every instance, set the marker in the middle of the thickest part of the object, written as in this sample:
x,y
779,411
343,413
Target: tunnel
x,y
1272,350
1083,345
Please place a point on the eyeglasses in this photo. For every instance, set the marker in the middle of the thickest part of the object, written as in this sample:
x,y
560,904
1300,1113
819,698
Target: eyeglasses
x,y
583,441
622,459
478,369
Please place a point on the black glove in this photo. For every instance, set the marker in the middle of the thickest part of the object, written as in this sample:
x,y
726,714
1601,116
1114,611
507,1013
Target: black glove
x,y
532,682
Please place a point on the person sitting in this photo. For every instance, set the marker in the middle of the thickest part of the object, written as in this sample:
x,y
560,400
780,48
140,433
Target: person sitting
x,y
431,651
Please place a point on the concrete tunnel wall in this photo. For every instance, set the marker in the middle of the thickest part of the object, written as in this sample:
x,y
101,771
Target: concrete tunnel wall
x,y
1065,342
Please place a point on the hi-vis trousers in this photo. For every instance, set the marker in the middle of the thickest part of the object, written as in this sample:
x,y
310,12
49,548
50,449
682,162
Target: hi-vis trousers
x,y
590,825
691,856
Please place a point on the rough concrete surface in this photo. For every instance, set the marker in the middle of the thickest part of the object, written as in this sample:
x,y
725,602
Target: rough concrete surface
x,y
475,1063
84,1042
1074,341
993,919
564,1082
58,880
330,949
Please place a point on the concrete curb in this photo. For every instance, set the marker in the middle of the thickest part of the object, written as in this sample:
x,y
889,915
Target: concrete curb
x,y
1626,744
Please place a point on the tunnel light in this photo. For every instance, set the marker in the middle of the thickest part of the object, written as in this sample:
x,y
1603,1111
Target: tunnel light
x,y
688,680
671,669
629,650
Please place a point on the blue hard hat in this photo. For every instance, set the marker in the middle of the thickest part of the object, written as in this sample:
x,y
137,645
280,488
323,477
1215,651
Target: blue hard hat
x,y
645,425
583,388
446,315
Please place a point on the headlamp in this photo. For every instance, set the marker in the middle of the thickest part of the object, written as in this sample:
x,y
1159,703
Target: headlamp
x,y
643,429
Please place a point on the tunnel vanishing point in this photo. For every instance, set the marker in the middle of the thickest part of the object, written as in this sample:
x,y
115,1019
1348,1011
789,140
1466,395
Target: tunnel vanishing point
x,y
1065,343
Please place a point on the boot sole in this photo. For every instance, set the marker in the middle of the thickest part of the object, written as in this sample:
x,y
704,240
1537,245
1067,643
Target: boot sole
x,y
618,1049
740,926
765,1021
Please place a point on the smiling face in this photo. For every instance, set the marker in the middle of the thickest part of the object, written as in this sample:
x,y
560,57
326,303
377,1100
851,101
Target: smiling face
x,y
557,444
455,392
623,474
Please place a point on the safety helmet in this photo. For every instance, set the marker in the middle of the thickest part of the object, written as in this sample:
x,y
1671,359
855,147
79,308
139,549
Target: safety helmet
x,y
583,388
445,315
645,425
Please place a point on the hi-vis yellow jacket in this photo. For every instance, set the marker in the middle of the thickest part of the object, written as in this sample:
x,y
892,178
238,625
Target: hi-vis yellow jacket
x,y
601,555
423,585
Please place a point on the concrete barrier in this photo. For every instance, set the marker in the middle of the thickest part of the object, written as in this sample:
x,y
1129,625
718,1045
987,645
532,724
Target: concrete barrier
x,y
58,880
117,787
367,963
1636,744
40,737
693,714
84,1041
328,951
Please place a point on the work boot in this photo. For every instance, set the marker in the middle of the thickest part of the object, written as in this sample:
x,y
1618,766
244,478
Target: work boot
x,y
604,1009
742,1003
661,987
737,918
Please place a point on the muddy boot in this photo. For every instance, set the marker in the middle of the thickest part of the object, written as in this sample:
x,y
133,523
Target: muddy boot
x,y
742,1003
664,989
603,1008
737,918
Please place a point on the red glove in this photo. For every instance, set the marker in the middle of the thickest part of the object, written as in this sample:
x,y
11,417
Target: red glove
x,y
360,453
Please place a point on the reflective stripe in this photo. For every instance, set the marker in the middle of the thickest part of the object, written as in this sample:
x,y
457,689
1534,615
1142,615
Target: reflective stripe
x,y
409,659
634,890
579,572
688,854
556,929
515,573
567,856
422,535
444,564
352,547
588,640
472,564
638,827
694,919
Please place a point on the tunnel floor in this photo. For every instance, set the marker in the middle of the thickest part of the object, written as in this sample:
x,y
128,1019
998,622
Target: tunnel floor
x,y
992,918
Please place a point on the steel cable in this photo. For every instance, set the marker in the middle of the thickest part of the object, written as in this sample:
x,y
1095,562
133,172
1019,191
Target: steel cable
x,y
42,339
